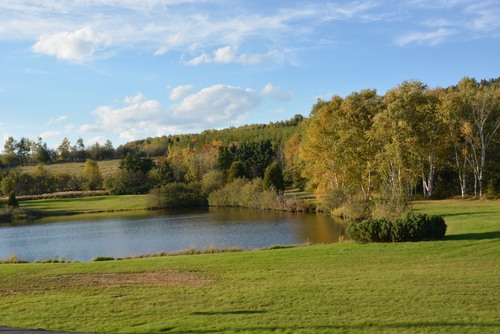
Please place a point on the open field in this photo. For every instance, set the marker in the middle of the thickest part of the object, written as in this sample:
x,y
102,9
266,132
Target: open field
x,y
107,168
450,286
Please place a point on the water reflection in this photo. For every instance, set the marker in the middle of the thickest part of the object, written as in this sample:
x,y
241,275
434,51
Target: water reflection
x,y
84,237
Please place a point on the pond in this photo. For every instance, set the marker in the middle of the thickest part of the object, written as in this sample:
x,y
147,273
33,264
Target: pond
x,y
82,238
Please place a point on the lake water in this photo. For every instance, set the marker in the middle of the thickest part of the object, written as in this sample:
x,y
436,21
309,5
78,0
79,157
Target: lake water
x,y
82,238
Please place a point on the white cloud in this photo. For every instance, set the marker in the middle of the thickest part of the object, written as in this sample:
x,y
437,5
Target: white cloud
x,y
137,118
218,105
78,46
68,29
180,91
229,54
276,93
97,139
56,120
80,30
69,128
485,16
136,99
268,89
49,134
430,38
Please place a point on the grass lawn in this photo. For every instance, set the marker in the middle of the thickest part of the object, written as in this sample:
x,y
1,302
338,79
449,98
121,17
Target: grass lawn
x,y
88,204
450,286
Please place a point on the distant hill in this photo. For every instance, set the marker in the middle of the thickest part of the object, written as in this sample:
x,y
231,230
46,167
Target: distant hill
x,y
276,133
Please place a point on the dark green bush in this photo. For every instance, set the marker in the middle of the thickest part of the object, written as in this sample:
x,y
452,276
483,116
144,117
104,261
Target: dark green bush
x,y
12,201
103,258
410,228
177,195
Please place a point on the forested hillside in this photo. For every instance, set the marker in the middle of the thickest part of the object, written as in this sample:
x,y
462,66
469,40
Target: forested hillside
x,y
364,154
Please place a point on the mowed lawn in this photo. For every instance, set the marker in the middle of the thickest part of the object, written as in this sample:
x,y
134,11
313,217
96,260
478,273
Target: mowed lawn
x,y
450,286
88,204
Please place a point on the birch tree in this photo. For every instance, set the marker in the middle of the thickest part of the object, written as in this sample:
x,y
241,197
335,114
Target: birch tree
x,y
479,124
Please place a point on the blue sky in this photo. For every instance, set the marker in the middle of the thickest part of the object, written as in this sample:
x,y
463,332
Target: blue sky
x,y
130,69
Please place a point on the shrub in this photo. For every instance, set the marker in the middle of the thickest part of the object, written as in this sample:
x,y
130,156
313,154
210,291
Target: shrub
x,y
103,258
410,228
12,201
128,182
212,181
177,195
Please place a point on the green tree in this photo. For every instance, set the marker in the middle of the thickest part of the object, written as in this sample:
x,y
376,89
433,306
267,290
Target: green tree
x,y
41,153
41,181
79,150
273,178
91,175
10,157
12,201
134,163
236,171
162,175
108,151
64,150
23,149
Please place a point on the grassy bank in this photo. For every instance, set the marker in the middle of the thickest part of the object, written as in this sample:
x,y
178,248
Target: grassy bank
x,y
450,286
87,204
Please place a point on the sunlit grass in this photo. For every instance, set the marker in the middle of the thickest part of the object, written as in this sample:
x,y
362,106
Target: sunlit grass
x,y
107,168
88,204
450,286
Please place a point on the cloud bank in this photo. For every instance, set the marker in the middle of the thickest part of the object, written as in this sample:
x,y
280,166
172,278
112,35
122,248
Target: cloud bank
x,y
213,32
216,106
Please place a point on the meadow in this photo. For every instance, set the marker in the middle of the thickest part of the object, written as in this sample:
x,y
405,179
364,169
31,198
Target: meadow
x,y
449,286
106,167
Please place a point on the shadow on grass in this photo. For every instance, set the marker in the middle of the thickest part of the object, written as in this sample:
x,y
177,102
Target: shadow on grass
x,y
467,213
342,328
229,312
474,236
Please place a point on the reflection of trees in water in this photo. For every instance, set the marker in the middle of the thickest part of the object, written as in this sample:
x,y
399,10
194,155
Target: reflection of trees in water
x,y
314,228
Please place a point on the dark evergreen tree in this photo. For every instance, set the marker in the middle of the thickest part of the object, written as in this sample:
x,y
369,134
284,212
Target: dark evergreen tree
x,y
273,178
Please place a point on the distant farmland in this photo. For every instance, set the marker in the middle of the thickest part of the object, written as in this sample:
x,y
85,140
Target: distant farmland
x,y
107,168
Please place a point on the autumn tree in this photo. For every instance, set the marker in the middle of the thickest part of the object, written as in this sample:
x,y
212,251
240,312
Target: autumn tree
x,y
91,175
338,150
321,165
293,164
480,122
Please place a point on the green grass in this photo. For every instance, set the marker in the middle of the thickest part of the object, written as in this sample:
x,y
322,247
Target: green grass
x,y
450,286
88,204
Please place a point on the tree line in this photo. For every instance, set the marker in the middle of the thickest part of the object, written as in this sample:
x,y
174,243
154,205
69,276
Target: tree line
x,y
370,151
362,155
25,151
